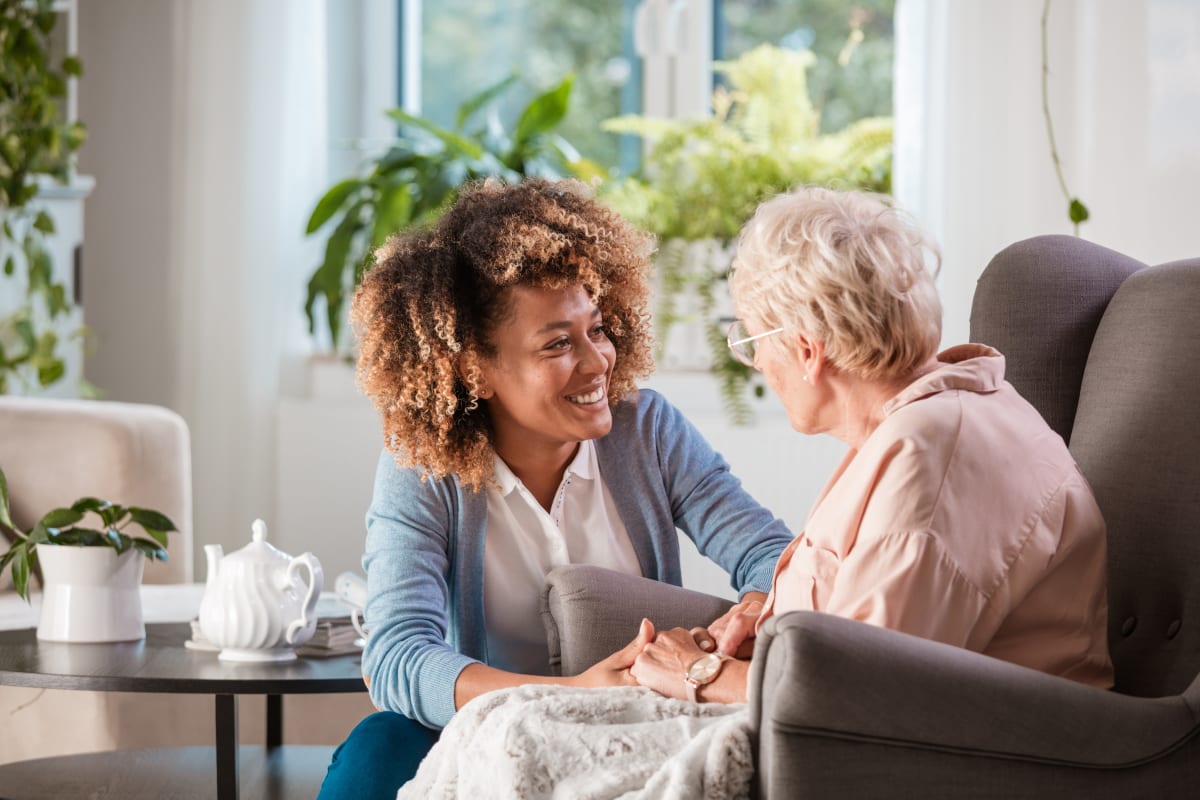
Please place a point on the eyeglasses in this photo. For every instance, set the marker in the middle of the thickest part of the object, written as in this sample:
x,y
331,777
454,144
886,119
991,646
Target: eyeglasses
x,y
741,343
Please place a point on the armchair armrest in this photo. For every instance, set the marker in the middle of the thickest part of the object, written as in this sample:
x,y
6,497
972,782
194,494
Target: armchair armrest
x,y
827,693
591,612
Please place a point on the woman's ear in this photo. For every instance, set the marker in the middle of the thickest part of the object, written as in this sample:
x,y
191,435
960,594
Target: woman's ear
x,y
810,357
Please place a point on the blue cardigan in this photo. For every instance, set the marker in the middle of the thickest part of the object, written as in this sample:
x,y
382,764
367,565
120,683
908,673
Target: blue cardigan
x,y
425,542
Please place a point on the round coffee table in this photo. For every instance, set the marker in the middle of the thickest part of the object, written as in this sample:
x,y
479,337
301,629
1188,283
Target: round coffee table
x,y
161,663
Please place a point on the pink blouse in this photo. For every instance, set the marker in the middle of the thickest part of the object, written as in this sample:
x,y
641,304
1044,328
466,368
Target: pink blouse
x,y
962,519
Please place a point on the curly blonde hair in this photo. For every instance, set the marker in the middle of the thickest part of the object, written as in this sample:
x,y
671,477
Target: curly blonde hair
x,y
847,269
425,311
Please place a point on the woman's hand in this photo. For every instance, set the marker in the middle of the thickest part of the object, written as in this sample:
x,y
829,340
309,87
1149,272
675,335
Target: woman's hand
x,y
614,670
733,632
663,663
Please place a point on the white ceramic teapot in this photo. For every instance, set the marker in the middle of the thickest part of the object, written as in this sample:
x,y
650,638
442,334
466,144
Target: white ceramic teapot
x,y
255,605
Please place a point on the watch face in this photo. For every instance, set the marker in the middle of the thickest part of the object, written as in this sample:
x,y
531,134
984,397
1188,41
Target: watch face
x,y
705,668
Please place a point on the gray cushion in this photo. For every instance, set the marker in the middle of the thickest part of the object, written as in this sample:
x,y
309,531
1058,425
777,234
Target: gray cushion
x,y
1038,302
591,612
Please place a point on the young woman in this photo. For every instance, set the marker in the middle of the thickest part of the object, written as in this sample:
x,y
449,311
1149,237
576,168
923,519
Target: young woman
x,y
501,348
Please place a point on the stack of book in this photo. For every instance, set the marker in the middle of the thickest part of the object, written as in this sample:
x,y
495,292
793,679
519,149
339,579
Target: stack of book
x,y
335,635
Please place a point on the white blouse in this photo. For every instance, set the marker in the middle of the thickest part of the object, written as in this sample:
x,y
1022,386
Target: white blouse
x,y
524,542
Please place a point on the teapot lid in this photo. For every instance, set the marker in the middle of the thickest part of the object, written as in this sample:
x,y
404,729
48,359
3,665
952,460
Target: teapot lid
x,y
259,550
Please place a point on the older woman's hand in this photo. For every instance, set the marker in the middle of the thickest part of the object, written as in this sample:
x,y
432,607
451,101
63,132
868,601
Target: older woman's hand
x,y
663,663
733,632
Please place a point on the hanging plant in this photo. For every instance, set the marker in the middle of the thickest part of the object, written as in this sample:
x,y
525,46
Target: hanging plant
x,y
1077,212
36,144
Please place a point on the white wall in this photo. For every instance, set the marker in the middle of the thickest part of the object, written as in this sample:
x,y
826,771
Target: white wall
x,y
973,159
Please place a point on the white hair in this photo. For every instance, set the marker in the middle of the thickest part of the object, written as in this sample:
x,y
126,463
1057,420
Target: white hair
x,y
844,268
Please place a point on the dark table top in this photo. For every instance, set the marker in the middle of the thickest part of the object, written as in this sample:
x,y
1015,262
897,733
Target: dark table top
x,y
160,663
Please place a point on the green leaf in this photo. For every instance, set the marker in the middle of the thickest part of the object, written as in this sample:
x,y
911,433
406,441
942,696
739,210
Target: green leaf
x,y
542,115
20,571
76,136
392,213
118,540
72,66
61,517
50,371
44,223
56,300
475,102
5,515
80,537
1077,211
150,519
451,139
332,200
24,329
40,534
89,504
111,513
150,550
10,266
330,277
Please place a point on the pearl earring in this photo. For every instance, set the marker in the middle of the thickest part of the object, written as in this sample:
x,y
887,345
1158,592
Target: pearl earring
x,y
806,379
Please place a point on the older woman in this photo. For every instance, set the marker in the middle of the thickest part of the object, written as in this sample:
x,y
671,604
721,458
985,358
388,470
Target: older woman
x,y
957,514
500,348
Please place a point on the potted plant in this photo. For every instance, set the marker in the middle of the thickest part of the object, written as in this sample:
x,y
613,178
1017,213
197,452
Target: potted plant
x,y
419,175
36,144
701,179
90,575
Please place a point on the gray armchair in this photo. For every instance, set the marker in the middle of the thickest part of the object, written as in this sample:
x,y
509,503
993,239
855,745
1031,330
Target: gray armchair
x,y
1107,349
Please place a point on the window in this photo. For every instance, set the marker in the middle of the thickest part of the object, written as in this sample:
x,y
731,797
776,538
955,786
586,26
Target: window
x,y
466,45
852,75
638,56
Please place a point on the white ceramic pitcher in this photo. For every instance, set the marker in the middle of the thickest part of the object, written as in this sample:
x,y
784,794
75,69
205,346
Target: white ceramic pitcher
x,y
255,605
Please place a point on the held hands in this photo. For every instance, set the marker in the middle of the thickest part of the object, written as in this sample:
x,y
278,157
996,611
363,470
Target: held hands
x,y
733,632
660,660
663,662
615,670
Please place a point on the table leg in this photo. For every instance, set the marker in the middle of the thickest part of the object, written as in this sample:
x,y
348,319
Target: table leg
x,y
227,747
274,721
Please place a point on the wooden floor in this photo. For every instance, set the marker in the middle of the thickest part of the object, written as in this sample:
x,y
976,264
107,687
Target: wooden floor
x,y
291,772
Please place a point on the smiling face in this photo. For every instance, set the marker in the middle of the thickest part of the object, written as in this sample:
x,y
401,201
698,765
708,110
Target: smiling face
x,y
546,388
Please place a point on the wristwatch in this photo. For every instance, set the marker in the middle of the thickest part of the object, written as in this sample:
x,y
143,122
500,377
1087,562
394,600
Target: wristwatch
x,y
704,670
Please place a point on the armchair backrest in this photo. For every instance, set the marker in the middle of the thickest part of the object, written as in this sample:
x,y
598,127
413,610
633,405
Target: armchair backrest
x,y
1137,439
1108,351
1039,302
55,451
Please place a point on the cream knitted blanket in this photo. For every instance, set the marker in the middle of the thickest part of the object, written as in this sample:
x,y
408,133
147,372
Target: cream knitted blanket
x,y
630,743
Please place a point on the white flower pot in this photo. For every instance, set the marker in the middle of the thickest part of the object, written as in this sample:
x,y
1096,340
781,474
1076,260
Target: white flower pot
x,y
90,594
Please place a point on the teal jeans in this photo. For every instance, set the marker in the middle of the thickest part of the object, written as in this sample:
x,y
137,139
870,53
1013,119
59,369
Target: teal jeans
x,y
380,755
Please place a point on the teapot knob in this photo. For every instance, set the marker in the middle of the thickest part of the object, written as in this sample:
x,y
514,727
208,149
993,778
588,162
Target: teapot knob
x,y
258,530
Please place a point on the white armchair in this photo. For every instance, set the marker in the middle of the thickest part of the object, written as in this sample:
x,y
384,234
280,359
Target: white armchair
x,y
56,451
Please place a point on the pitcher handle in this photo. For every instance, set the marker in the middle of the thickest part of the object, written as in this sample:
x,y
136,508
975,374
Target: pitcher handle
x,y
302,629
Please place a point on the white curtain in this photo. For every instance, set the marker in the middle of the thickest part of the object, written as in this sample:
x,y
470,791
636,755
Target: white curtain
x,y
972,154
252,149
